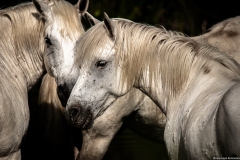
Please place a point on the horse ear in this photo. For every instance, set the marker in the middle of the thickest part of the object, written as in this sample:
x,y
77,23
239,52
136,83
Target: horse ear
x,y
82,6
92,20
43,8
109,25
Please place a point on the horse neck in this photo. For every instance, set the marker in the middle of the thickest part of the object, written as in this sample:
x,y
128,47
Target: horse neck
x,y
153,90
168,86
24,48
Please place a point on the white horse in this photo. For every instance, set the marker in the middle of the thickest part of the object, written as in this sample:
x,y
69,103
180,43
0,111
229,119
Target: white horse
x,y
146,120
195,85
22,59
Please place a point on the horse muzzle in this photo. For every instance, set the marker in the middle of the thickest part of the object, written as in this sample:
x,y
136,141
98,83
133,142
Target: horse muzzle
x,y
79,117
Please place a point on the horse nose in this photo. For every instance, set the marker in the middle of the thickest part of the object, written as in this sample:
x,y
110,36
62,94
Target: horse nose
x,y
63,94
74,112
72,115
78,116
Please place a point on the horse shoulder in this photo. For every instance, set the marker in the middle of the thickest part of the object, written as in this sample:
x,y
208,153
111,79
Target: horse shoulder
x,y
227,122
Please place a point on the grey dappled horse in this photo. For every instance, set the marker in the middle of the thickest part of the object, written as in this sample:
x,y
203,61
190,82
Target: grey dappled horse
x,y
177,73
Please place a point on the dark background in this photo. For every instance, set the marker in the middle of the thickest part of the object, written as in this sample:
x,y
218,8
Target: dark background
x,y
192,17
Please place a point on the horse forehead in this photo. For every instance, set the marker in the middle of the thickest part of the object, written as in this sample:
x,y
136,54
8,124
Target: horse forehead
x,y
63,29
103,51
107,49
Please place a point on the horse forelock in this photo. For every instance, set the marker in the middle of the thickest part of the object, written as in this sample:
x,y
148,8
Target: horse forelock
x,y
68,18
168,55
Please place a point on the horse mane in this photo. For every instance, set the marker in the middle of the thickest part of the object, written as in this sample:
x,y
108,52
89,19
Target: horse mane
x,y
138,45
50,111
20,17
48,93
22,30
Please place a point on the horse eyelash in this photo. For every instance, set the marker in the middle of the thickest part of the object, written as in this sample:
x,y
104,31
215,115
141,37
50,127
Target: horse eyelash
x,y
101,64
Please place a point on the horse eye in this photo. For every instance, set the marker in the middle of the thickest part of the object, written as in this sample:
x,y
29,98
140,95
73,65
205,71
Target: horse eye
x,y
101,64
48,41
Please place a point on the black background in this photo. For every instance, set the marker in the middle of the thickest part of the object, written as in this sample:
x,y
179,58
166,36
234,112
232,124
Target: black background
x,y
192,17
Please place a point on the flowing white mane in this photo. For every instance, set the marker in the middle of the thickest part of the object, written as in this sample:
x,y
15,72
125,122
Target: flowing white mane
x,y
150,46
20,41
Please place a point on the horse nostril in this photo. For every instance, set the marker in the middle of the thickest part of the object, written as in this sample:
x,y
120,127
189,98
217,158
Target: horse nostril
x,y
73,112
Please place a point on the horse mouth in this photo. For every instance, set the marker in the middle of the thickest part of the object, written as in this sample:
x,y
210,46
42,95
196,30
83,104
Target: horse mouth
x,y
83,118
88,123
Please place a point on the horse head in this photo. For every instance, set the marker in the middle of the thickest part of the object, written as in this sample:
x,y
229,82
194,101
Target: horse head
x,y
63,28
96,88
